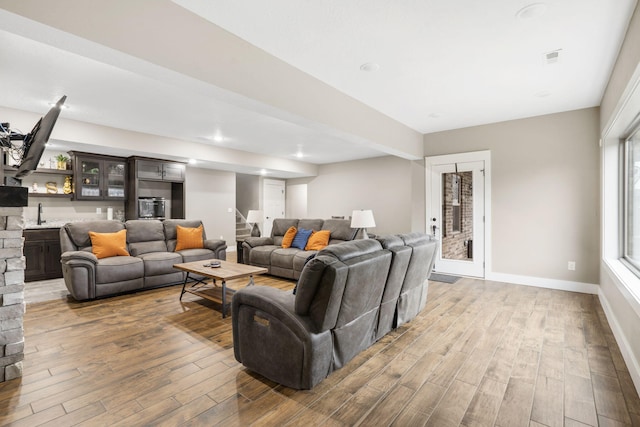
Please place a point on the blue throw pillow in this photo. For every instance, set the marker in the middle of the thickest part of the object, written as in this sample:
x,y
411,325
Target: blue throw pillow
x,y
300,241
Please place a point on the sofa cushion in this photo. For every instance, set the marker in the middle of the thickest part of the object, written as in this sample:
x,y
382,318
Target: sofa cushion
x,y
283,257
288,237
145,236
340,230
171,234
318,240
280,227
190,255
118,269
319,291
261,255
78,232
104,245
189,237
158,263
311,224
302,236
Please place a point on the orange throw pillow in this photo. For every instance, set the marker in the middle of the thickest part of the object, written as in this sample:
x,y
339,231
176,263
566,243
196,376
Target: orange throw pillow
x,y
104,245
189,238
288,237
318,240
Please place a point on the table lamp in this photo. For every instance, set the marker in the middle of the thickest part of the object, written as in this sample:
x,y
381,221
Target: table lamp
x,y
254,217
362,219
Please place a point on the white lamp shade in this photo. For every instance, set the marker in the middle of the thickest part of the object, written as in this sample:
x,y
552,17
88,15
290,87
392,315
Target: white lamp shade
x,y
362,219
254,216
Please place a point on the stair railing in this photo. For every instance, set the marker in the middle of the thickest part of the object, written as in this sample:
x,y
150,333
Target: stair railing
x,y
243,220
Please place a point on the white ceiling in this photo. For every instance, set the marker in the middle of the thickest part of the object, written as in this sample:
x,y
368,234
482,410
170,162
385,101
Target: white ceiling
x,y
442,65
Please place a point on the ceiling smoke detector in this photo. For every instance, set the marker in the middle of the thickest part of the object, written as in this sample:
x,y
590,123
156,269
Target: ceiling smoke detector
x,y
552,57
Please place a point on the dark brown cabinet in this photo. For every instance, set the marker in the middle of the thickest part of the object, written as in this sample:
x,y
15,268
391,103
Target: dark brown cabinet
x,y
155,178
160,170
42,253
99,177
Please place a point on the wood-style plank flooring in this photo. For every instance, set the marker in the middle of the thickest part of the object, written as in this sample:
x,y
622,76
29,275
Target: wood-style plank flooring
x,y
480,354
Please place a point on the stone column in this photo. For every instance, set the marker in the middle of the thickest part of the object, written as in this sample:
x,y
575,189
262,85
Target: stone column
x,y
12,266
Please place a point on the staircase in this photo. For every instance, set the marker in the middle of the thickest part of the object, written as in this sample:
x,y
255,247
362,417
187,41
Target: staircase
x,y
243,229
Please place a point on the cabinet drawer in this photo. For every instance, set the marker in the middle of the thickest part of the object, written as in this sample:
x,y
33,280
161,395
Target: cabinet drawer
x,y
41,234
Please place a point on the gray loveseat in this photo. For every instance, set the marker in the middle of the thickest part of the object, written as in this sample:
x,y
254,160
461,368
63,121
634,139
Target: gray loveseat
x,y
267,252
151,245
348,296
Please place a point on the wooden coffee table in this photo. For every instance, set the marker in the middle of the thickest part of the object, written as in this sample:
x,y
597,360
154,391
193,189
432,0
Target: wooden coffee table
x,y
212,291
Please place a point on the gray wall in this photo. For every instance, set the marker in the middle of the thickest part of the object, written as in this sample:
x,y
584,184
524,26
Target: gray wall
x,y
621,306
544,191
247,193
211,197
387,185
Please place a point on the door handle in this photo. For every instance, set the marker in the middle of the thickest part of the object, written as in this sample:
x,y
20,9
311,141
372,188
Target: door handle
x,y
434,227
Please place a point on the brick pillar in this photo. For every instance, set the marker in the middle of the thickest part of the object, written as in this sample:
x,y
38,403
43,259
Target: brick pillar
x,y
12,305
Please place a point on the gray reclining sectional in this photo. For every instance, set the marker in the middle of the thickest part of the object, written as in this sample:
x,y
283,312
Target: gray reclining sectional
x,y
151,245
348,296
267,252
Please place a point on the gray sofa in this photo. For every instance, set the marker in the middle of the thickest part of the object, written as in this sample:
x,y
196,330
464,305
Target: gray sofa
x,y
151,245
267,252
348,296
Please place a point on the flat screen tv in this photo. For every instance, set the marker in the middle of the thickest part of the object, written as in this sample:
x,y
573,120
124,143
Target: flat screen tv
x,y
34,142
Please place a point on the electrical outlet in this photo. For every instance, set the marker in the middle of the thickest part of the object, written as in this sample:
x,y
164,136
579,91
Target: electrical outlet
x,y
98,211
230,210
221,237
571,265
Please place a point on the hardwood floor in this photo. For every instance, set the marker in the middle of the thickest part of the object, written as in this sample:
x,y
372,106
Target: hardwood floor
x,y
480,354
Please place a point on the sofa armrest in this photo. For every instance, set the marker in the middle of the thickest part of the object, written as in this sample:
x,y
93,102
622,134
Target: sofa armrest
x,y
258,241
79,256
79,272
215,244
290,352
219,247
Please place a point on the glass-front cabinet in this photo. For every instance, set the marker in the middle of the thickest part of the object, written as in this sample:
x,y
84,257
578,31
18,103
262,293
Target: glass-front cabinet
x,y
99,177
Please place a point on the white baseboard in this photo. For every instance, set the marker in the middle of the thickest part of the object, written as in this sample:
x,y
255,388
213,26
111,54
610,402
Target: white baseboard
x,y
541,282
632,363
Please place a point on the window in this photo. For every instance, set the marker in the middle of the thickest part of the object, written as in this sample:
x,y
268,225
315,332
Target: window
x,y
631,224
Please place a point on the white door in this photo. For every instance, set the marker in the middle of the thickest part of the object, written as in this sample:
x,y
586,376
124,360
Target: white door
x,y
273,202
456,213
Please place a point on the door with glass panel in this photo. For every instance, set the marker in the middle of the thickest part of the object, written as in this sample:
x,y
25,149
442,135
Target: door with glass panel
x,y
455,215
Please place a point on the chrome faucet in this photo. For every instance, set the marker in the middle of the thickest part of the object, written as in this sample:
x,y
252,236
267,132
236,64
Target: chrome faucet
x,y
40,220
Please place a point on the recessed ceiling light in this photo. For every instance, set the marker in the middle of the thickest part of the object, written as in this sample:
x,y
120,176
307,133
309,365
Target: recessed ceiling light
x,y
53,104
192,161
299,155
531,11
218,138
370,67
263,172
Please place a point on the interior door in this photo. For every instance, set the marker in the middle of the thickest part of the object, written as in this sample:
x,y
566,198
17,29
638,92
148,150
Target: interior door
x,y
456,216
273,203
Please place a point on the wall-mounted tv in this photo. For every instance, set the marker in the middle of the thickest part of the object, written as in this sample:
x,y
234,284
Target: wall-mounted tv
x,y
34,142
